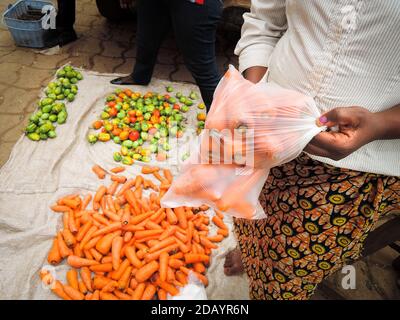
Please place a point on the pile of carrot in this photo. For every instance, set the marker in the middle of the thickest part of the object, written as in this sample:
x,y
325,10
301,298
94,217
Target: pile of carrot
x,y
127,246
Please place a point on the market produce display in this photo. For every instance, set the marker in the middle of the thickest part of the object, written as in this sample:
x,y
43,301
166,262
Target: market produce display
x,y
142,123
51,109
126,246
270,126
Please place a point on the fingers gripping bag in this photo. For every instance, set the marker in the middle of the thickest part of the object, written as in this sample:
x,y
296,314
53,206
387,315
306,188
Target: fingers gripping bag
x,y
249,129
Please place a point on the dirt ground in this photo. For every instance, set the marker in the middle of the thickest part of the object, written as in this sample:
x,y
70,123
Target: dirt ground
x,y
110,47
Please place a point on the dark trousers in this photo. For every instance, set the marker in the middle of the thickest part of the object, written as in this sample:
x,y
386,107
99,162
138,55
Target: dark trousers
x,y
65,14
194,27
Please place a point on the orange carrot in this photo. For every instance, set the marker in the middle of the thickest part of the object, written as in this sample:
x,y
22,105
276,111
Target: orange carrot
x,y
75,294
101,191
207,243
123,281
91,243
83,230
103,267
161,294
60,208
82,287
155,255
138,181
216,238
171,216
89,235
219,223
148,169
99,171
58,289
116,251
162,244
85,201
199,267
110,228
175,263
112,188
146,271
62,247
107,296
223,232
163,266
131,255
171,289
193,258
137,295
122,296
149,292
86,278
99,282
117,169
117,274
72,278
119,179
104,244
54,256
125,217
78,262
113,216
147,233
181,215
168,175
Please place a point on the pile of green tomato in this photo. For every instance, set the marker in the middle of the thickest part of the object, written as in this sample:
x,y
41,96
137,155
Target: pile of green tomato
x,y
51,109
141,123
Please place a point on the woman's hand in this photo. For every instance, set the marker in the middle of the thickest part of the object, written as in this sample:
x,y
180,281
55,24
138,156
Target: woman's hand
x,y
348,130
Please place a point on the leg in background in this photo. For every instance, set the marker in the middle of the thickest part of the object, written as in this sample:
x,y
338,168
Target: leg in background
x,y
65,21
195,31
153,23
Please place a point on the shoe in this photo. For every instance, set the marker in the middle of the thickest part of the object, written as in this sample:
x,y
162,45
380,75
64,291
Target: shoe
x,y
127,80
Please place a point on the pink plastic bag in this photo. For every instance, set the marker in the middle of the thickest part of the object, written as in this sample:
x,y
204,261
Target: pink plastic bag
x,y
249,129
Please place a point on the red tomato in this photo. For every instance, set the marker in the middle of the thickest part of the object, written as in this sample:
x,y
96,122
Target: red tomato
x,y
131,113
113,112
134,135
156,113
132,119
111,104
176,106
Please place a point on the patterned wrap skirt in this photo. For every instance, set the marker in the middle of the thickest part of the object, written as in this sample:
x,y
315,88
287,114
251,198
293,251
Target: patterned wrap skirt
x,y
317,218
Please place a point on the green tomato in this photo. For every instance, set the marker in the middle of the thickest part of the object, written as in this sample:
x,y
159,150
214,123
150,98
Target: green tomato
x,y
150,108
109,127
61,118
110,98
145,127
74,90
43,136
34,136
153,148
66,92
178,95
146,159
46,128
52,134
135,144
185,108
53,118
60,73
52,85
188,103
79,75
169,89
117,140
60,97
147,116
200,124
46,101
57,90
45,116
127,143
121,114
193,95
127,160
71,97
172,100
117,156
68,68
31,128
182,99
104,115
166,146
92,138
34,118
47,108
137,156
178,117
144,135
74,80
140,141
163,132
